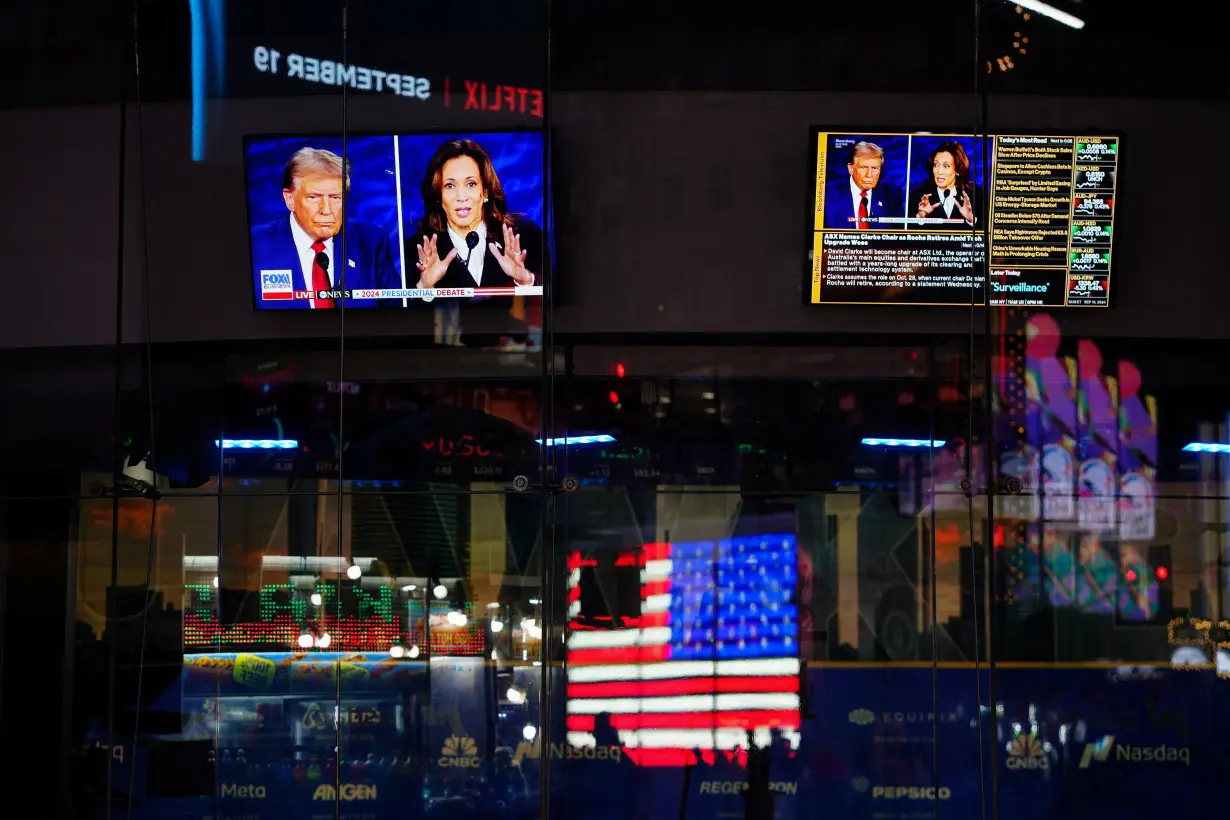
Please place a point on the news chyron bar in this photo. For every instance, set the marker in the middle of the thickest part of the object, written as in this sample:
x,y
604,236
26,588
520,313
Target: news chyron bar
x,y
906,218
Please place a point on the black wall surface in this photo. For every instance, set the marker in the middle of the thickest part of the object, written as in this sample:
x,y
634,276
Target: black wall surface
x,y
677,211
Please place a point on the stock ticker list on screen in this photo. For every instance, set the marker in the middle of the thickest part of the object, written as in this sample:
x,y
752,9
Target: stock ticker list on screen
x,y
1052,214
906,219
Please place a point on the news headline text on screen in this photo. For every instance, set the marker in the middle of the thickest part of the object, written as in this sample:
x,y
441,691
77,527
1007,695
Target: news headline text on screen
x,y
1042,232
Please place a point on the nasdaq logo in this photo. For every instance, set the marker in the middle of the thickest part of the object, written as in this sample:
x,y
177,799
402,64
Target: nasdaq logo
x,y
1101,752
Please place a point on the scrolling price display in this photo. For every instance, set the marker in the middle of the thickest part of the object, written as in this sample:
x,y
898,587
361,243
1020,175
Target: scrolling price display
x,y
1052,211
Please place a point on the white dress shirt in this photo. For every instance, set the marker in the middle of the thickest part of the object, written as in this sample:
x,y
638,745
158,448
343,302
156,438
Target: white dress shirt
x,y
475,257
307,256
948,199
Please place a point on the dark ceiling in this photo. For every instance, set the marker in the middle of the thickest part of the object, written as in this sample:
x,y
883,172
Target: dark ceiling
x,y
72,51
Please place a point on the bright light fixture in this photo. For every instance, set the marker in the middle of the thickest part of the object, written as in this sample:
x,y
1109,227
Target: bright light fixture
x,y
902,442
256,443
305,641
441,592
497,625
567,441
1206,447
353,572
1047,10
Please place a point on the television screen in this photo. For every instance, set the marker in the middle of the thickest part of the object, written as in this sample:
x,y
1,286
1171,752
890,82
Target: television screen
x,y
396,220
906,219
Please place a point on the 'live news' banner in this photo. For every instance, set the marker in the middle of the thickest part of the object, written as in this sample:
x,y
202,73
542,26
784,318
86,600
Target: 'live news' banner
x,y
425,294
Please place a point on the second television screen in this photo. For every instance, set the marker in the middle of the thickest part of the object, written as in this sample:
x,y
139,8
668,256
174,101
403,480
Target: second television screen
x,y
394,220
906,219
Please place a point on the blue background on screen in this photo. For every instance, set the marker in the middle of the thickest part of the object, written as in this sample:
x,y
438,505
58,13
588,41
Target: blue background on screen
x,y
373,186
518,159
895,157
920,169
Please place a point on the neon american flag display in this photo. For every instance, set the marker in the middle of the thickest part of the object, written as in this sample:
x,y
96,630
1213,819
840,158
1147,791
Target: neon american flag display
x,y
710,665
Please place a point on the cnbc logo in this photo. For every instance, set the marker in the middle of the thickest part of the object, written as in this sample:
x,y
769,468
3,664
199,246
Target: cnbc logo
x,y
459,753
1106,750
1026,752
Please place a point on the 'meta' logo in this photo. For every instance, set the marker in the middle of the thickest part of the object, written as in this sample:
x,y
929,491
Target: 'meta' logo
x,y
276,284
1026,752
460,753
350,791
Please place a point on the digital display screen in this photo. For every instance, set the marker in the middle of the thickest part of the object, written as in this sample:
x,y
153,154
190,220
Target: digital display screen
x,y
393,221
702,660
905,219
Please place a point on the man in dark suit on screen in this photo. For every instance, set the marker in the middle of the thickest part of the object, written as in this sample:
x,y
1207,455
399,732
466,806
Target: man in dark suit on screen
x,y
859,201
303,252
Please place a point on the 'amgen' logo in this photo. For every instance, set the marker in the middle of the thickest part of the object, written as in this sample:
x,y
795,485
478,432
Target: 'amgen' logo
x,y
276,284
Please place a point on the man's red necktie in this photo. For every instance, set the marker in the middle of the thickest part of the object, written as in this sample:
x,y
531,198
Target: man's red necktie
x,y
863,224
320,281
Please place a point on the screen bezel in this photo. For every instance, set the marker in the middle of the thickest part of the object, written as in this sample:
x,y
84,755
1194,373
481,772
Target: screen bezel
x,y
549,289
814,132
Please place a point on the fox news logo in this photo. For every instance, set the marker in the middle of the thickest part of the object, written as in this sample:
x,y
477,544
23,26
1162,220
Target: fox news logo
x,y
276,284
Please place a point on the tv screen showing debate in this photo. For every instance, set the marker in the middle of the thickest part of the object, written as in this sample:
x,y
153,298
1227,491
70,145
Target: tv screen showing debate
x,y
391,221
906,219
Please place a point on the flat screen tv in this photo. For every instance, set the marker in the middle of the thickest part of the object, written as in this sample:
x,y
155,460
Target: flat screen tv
x,y
396,220
946,218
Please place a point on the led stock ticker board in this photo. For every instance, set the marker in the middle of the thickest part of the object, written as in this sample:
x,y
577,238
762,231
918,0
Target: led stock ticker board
x,y
914,218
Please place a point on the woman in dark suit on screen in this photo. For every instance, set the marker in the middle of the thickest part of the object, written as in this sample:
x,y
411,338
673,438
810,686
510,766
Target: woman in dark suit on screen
x,y
467,238
950,193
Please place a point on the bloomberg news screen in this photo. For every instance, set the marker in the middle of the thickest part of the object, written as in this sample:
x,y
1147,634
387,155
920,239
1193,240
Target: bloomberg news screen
x,y
906,218
391,220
